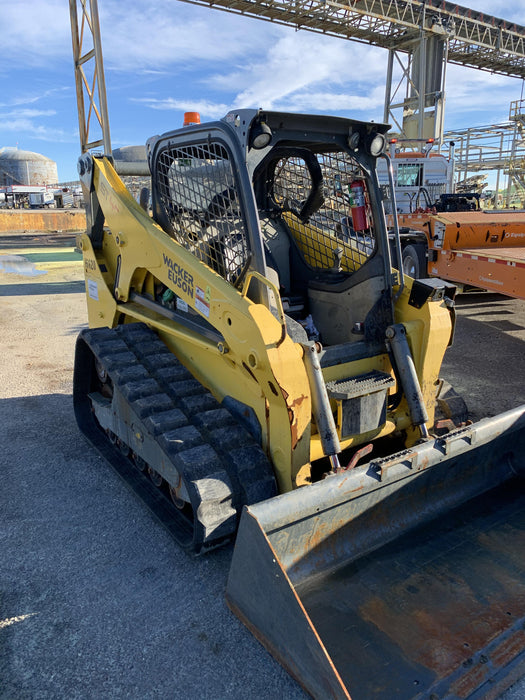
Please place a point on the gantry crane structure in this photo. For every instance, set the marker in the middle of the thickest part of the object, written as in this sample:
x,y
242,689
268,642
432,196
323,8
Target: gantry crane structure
x,y
421,37
89,76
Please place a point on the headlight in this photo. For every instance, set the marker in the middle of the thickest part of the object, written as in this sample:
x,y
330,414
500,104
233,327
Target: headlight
x,y
377,145
353,141
260,136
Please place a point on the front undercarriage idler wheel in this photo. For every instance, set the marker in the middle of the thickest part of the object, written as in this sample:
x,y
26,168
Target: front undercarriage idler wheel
x,y
140,463
155,477
123,447
177,501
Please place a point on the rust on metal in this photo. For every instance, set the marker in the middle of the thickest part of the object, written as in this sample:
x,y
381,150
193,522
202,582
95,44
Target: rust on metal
x,y
414,585
263,573
469,682
485,665
296,403
509,648
358,455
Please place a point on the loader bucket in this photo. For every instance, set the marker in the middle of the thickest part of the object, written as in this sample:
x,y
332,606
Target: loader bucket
x,y
403,578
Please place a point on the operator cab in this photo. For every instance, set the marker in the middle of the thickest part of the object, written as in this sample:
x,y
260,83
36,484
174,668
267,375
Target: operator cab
x,y
293,197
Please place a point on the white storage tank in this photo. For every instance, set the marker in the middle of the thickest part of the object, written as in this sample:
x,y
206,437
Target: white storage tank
x,y
26,168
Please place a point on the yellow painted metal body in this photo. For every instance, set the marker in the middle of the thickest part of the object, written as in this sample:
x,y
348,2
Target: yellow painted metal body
x,y
321,252
257,363
429,332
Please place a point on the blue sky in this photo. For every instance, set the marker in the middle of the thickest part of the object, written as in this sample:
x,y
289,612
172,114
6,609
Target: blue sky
x,y
164,57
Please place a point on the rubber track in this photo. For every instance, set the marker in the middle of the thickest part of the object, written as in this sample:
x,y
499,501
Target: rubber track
x,y
222,466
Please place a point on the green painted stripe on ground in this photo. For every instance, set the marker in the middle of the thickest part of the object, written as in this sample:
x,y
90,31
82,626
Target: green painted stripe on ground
x,y
48,256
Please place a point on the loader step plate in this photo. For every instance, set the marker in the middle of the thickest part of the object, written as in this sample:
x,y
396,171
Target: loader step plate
x,y
367,383
439,612
363,401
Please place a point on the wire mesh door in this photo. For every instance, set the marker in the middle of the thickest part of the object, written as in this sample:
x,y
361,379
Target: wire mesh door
x,y
199,194
332,237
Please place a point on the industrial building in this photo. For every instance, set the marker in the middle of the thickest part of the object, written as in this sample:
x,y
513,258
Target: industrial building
x,y
19,167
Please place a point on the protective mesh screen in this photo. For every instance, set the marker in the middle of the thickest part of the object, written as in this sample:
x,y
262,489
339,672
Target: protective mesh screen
x,y
199,195
333,237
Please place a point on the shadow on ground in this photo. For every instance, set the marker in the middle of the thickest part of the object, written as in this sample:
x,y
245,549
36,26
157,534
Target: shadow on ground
x,y
96,600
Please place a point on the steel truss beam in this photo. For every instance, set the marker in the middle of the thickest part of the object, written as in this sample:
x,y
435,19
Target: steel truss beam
x,y
475,39
89,75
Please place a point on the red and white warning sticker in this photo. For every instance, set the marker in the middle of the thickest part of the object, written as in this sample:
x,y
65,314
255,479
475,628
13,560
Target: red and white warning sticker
x,y
202,301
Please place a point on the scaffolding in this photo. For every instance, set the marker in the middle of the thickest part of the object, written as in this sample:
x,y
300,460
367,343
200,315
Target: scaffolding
x,y
498,150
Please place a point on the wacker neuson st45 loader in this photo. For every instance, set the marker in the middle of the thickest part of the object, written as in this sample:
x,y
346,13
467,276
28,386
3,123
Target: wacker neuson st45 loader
x,y
251,340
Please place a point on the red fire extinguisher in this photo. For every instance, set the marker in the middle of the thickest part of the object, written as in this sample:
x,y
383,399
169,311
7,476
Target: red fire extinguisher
x,y
358,205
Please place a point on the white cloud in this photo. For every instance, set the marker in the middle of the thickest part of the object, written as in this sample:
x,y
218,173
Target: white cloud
x,y
205,108
158,34
27,113
37,131
26,125
136,35
18,100
481,97
298,72
297,63
368,106
17,117
35,32
503,9
327,101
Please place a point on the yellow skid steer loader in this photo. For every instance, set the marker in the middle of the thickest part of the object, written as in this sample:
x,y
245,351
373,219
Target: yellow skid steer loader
x,y
251,339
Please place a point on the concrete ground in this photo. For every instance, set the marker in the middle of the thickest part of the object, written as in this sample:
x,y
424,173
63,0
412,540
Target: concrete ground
x,y
95,598
486,363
